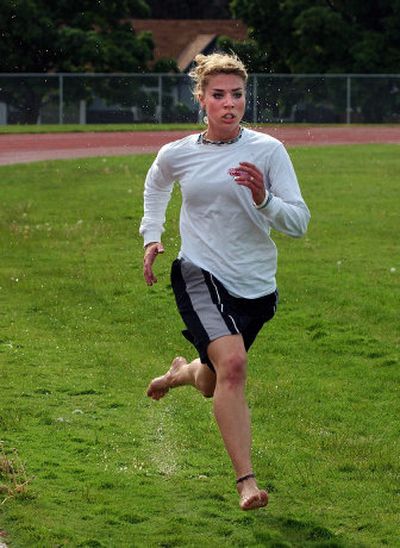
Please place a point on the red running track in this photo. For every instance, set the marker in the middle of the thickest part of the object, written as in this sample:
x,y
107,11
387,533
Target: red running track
x,y
33,147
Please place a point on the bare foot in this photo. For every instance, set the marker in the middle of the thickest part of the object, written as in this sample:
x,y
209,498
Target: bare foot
x,y
161,385
251,497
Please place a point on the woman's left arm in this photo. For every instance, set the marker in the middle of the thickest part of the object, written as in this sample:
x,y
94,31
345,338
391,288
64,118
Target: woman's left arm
x,y
276,193
287,212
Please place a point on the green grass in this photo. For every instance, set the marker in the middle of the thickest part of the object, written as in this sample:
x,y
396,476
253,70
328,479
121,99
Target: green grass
x,y
81,128
87,460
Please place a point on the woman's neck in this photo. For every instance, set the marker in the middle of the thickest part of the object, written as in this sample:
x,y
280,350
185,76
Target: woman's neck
x,y
217,135
207,141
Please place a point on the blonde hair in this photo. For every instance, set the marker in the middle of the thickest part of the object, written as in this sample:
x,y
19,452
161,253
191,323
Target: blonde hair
x,y
210,65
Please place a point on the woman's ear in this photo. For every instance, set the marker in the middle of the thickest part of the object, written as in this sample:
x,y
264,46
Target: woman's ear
x,y
201,101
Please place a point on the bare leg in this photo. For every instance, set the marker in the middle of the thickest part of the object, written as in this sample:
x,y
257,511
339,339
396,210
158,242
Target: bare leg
x,y
182,373
232,414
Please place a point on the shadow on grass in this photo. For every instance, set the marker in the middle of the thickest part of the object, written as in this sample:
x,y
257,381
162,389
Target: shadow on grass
x,y
293,532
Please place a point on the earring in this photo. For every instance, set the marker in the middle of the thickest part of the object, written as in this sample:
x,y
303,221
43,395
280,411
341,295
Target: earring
x,y
203,116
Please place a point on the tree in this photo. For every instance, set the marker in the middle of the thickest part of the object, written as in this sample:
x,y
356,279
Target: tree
x,y
328,36
325,35
255,59
44,36
189,9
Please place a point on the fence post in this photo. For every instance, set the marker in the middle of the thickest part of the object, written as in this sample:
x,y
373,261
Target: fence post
x,y
61,99
160,99
3,113
82,111
255,92
348,100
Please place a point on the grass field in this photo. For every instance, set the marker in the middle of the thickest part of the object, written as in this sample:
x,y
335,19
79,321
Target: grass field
x,y
81,128
87,460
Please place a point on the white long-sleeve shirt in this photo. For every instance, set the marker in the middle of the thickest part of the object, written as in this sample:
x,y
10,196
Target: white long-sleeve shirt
x,y
221,230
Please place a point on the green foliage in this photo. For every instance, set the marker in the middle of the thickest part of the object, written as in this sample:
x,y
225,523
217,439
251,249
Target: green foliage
x,y
255,59
43,36
325,35
166,64
81,336
320,32
189,9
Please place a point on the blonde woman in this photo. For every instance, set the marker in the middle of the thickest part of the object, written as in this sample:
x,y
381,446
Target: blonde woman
x,y
236,185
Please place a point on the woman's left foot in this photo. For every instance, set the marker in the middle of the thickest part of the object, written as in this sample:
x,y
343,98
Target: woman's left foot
x,y
159,386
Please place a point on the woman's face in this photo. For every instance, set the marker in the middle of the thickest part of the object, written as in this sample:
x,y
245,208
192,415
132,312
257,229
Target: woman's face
x,y
224,102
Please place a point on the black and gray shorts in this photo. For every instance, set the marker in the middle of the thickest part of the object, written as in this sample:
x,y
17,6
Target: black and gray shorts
x,y
210,312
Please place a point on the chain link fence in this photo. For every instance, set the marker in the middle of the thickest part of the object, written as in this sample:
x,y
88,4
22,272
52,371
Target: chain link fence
x,y
165,98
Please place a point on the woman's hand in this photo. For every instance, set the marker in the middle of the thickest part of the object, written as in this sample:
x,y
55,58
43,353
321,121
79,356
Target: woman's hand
x,y
250,176
150,253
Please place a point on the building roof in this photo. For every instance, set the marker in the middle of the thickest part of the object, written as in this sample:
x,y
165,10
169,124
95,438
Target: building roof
x,y
183,39
197,45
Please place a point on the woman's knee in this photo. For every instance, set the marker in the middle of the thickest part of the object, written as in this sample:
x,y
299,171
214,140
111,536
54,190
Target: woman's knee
x,y
229,358
232,370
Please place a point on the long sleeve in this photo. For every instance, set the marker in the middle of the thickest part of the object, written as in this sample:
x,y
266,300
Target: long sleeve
x,y
287,211
220,229
157,193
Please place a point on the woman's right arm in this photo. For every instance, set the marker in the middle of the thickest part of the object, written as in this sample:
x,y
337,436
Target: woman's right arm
x,y
157,193
151,251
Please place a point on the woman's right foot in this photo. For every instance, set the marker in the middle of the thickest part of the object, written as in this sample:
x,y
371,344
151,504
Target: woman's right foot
x,y
251,497
159,386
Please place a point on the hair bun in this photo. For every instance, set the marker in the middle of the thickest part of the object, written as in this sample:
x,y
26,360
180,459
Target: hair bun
x,y
215,63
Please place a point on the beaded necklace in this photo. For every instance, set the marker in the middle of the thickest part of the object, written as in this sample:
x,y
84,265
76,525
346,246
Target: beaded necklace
x,y
204,141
